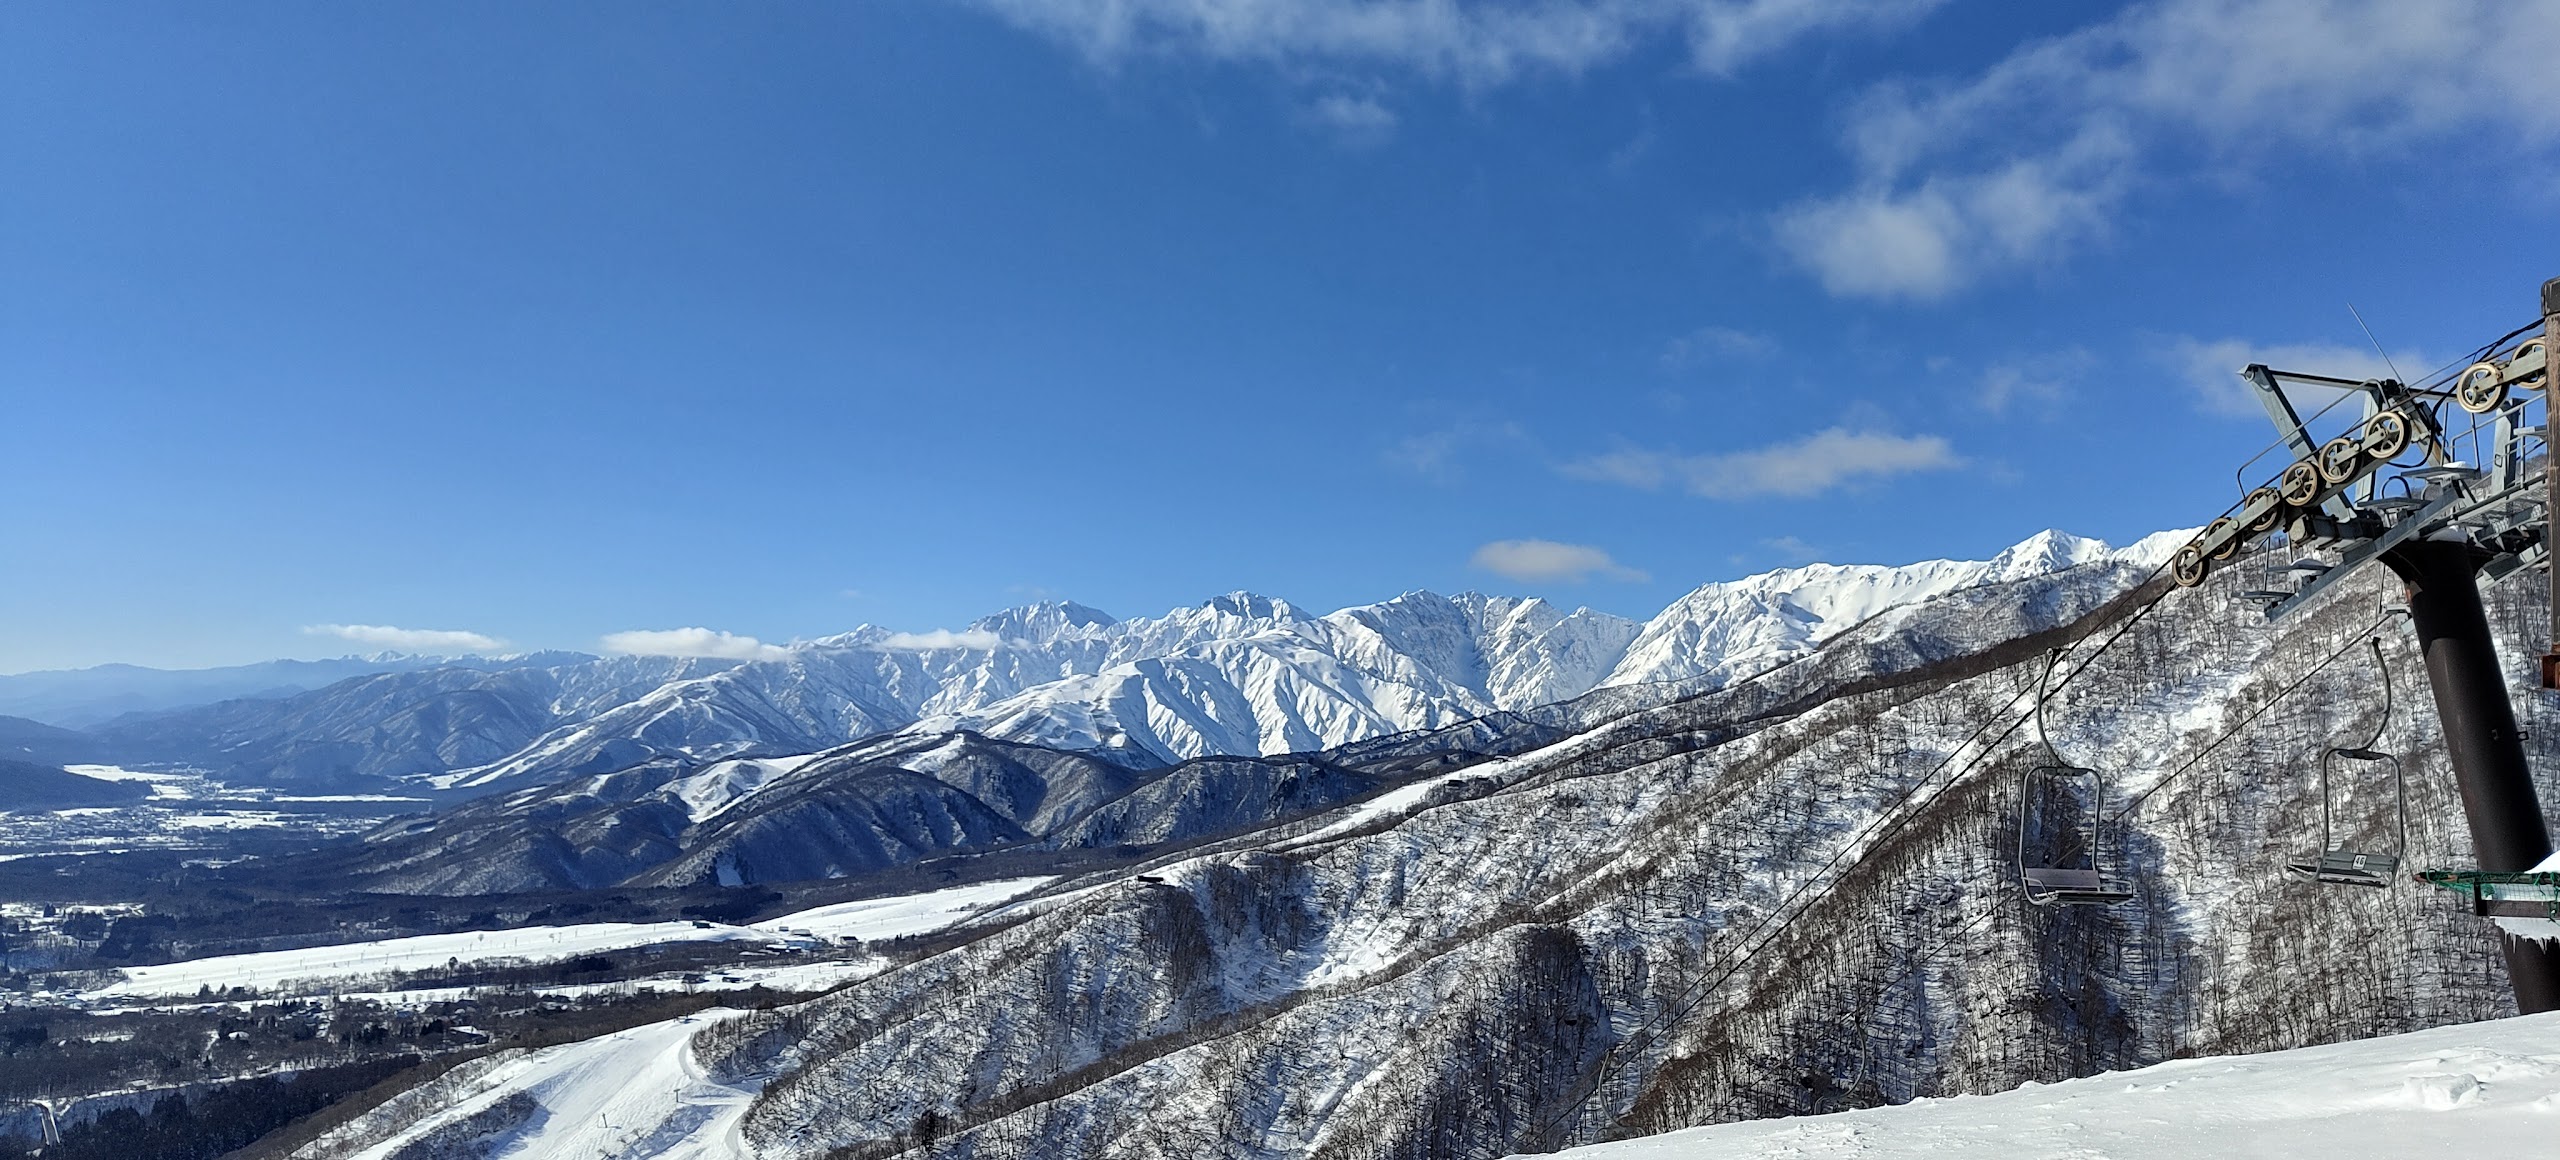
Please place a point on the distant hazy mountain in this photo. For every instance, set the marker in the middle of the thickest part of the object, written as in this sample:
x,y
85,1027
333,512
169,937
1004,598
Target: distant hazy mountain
x,y
35,741
31,785
80,698
393,725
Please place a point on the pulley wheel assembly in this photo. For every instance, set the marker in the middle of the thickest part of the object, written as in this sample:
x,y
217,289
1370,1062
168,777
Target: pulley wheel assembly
x,y
2300,484
2188,566
2268,505
2339,459
2386,435
2230,547
2482,388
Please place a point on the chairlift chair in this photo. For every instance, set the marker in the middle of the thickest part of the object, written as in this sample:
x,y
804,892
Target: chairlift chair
x,y
2089,885
2336,864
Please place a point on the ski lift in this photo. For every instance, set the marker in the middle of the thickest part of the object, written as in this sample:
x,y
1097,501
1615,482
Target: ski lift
x,y
2089,885
2336,864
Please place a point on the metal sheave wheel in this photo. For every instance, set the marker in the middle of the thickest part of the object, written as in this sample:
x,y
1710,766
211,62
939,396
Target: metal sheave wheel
x,y
2272,513
2216,528
2300,484
2480,389
2339,459
2531,348
2188,566
2386,435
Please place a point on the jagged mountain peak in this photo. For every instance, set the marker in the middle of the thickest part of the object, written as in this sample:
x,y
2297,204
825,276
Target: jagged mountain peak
x,y
1241,673
1252,606
1044,622
2050,550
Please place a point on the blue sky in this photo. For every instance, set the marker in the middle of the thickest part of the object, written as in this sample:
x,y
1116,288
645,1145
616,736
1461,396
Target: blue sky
x,y
545,322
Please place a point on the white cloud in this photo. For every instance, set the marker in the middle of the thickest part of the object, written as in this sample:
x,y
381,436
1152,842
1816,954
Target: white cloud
x,y
441,641
1468,41
975,638
1793,550
2212,369
1927,241
1437,455
1809,466
692,642
1540,561
1354,120
2032,158
2040,380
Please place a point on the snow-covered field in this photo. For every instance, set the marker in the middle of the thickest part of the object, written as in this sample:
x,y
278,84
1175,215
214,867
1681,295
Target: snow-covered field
x,y
273,970
311,967
189,811
870,919
2473,1089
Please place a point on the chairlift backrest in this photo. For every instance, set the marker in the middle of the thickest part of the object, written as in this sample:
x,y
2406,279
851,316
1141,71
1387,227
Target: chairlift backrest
x,y
2089,885
2337,865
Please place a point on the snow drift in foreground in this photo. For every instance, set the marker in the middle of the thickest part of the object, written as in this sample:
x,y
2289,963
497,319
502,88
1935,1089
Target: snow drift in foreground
x,y
2473,1089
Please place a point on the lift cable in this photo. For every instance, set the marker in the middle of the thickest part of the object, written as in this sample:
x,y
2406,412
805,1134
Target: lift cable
x,y
1890,818
1886,822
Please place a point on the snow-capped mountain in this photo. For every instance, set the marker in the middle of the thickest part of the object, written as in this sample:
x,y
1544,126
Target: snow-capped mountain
x,y
1723,631
1421,661
1240,674
869,807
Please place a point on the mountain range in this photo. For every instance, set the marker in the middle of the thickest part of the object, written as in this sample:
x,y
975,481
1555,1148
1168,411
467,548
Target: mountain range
x,y
1237,675
1785,887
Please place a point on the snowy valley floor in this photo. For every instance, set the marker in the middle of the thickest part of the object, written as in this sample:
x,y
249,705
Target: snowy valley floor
x,y
2474,1089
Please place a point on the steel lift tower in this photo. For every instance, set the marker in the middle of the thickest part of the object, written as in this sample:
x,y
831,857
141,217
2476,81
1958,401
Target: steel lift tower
x,y
2443,483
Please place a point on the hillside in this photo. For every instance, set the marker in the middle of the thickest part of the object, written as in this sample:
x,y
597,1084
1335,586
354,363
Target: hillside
x,y
1792,894
27,785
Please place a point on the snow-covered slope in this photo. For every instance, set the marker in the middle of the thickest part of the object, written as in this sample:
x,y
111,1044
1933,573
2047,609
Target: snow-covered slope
x,y
2473,1089
1793,894
1722,632
635,1093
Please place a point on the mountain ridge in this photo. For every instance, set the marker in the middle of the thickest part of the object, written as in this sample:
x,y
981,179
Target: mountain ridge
x,y
1239,673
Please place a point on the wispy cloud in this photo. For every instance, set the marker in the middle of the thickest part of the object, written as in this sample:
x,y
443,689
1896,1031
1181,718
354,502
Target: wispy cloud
x,y
1714,344
692,642
1546,561
2040,381
442,641
2034,157
1439,455
1476,44
1793,550
2211,369
971,638
1354,120
1803,467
